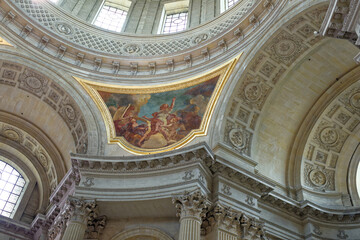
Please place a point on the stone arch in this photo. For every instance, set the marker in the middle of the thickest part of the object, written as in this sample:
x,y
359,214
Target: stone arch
x,y
135,233
56,94
260,72
325,150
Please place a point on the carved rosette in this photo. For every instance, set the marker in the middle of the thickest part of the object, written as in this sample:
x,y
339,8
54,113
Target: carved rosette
x,y
254,91
286,48
64,28
351,100
330,137
319,178
33,82
200,38
132,49
69,112
238,137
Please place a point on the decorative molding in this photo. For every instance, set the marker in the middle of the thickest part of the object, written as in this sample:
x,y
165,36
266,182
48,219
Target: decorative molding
x,y
93,43
307,210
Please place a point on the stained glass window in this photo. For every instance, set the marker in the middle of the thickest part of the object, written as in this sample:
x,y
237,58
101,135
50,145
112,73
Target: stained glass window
x,y
11,187
111,18
175,22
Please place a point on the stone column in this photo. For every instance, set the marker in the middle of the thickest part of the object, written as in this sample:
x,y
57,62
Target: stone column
x,y
191,208
77,224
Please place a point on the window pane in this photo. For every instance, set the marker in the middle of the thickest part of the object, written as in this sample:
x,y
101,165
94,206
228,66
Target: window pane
x,y
11,186
175,22
111,18
4,195
231,3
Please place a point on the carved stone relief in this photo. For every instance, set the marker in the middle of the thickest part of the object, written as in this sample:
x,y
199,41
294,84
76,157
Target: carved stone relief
x,y
64,28
254,91
238,137
319,178
330,137
286,48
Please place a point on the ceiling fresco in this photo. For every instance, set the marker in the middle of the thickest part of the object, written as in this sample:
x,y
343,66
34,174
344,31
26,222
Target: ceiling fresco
x,y
159,118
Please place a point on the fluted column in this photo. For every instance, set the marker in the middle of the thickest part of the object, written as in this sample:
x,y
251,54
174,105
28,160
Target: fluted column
x,y
76,225
191,207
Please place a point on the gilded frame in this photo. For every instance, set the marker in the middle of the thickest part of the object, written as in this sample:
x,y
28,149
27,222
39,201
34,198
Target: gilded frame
x,y
92,89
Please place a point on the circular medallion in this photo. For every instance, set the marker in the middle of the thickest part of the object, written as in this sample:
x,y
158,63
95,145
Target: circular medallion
x,y
33,83
252,92
200,38
329,135
285,47
355,100
12,135
132,49
70,113
236,138
64,28
43,159
317,177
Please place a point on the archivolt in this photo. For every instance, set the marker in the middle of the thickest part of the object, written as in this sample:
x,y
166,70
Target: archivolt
x,y
141,232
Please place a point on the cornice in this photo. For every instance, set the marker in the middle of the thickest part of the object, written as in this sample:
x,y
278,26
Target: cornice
x,y
186,51
15,227
306,209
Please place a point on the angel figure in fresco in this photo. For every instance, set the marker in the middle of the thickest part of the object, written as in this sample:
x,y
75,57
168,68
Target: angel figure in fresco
x,y
158,122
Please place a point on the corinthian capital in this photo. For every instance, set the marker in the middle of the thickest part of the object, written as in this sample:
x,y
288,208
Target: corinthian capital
x,y
221,217
80,208
191,205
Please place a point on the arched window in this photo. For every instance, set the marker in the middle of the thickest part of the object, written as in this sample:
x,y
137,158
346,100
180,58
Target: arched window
x,y
11,187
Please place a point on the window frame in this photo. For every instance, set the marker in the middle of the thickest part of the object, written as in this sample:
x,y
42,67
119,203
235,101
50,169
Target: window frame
x,y
20,195
174,8
30,182
116,6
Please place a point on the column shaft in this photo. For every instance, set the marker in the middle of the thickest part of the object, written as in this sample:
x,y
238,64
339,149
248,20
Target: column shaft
x,y
189,229
75,230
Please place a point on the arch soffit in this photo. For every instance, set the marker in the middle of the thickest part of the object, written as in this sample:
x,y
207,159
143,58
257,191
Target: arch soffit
x,y
270,63
141,231
14,153
327,140
60,93
37,143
